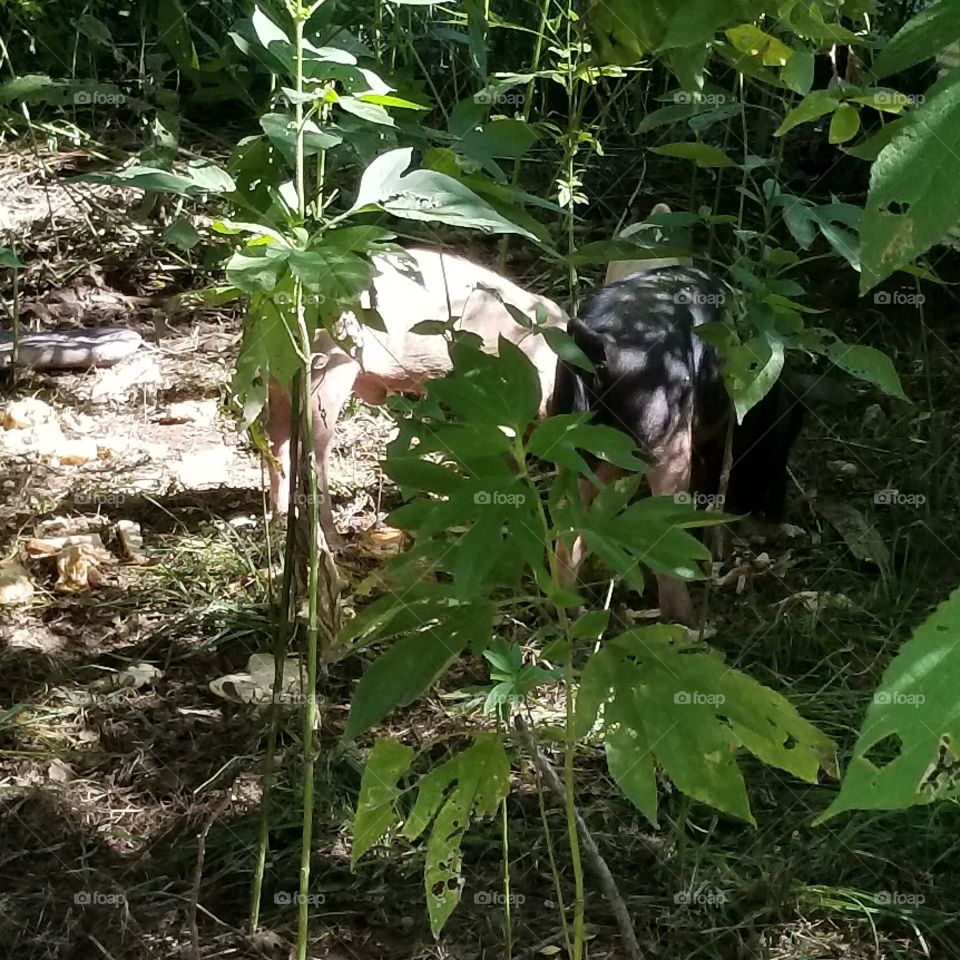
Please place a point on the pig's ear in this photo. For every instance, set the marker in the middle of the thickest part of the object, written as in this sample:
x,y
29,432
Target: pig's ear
x,y
659,208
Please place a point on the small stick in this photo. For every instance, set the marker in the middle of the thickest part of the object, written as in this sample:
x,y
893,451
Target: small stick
x,y
590,849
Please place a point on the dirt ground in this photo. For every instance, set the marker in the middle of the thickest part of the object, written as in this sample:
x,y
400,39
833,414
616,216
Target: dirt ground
x,y
130,792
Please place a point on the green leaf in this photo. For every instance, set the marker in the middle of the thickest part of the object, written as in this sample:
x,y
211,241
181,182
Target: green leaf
x,y
703,154
337,274
764,47
281,128
690,713
257,269
558,439
94,29
845,124
471,785
866,363
365,110
22,88
921,38
906,752
173,28
376,805
752,369
9,258
694,22
812,107
564,346
914,198
198,178
414,663
426,195
797,73
182,233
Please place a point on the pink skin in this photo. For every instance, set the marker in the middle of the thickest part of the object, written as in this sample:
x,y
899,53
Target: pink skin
x,y
399,361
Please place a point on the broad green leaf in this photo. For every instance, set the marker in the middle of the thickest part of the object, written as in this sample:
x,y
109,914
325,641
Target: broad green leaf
x,y
365,110
9,258
505,138
766,48
376,813
469,786
257,269
694,22
914,198
922,37
564,346
337,274
94,29
173,28
703,154
812,107
866,363
797,73
906,752
182,233
388,100
560,437
281,128
413,664
426,195
845,124
690,713
22,88
751,371
197,178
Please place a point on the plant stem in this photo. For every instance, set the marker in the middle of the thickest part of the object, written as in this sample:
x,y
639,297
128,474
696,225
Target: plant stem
x,y
310,486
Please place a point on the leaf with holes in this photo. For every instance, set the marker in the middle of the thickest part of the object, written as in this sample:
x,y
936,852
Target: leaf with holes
x,y
864,363
914,197
906,753
376,805
469,786
661,702
921,38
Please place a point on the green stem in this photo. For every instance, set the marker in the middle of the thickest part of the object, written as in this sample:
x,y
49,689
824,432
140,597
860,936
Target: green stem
x,y
310,485
573,837
281,639
507,919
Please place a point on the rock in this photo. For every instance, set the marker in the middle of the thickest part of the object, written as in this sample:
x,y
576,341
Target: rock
x,y
28,412
16,586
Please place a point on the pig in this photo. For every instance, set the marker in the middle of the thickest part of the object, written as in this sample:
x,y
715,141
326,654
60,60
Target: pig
x,y
424,285
657,381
